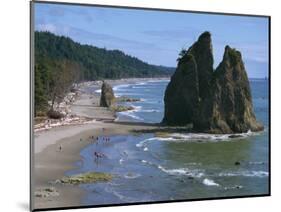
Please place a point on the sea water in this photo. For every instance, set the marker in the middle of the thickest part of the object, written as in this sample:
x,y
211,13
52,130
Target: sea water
x,y
181,166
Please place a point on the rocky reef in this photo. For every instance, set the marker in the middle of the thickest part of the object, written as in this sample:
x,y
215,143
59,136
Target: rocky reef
x,y
89,177
107,96
213,101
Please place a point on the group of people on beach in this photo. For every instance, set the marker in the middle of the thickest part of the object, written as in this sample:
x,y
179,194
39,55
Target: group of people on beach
x,y
97,140
100,139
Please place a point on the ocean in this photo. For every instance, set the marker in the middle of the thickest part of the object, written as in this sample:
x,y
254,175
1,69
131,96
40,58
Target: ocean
x,y
179,166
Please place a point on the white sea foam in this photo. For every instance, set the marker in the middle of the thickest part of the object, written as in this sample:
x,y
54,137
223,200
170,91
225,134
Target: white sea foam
x,y
162,80
204,137
183,171
121,161
209,182
142,83
118,87
244,174
131,114
136,108
131,175
149,163
143,142
150,111
233,187
140,144
193,164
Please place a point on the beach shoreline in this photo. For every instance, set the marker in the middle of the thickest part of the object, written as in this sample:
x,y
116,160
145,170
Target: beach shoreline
x,y
59,151
51,162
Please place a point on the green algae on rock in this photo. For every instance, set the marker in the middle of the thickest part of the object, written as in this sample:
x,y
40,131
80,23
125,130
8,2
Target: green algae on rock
x,y
89,177
121,108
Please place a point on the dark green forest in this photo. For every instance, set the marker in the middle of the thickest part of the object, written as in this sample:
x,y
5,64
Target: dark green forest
x,y
60,62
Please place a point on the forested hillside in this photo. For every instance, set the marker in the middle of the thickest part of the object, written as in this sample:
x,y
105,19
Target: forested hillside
x,y
59,62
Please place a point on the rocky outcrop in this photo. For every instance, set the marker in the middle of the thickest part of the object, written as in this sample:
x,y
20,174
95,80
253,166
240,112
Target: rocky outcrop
x,y
229,109
202,52
86,178
212,101
107,96
55,114
180,108
189,83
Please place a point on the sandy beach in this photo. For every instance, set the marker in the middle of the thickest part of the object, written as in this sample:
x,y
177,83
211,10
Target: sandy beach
x,y
50,162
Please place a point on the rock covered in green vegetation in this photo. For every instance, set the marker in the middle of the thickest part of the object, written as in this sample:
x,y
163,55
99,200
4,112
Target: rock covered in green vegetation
x,y
213,101
89,177
127,99
121,108
107,95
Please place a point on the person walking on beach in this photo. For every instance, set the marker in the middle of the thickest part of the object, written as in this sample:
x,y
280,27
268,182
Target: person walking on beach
x,y
98,155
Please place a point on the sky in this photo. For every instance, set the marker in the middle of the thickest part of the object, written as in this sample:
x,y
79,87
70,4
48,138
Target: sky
x,y
157,37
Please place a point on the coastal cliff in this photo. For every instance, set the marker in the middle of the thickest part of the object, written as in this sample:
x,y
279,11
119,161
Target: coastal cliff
x,y
213,101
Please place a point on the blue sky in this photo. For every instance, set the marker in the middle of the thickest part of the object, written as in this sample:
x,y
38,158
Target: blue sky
x,y
157,37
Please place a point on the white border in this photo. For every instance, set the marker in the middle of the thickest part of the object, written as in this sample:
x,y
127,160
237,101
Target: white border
x,y
14,87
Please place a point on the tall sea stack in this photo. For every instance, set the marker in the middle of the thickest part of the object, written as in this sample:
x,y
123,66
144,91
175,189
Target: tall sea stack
x,y
212,101
183,94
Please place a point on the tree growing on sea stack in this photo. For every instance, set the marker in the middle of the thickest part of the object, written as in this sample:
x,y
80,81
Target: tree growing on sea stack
x,y
107,95
213,101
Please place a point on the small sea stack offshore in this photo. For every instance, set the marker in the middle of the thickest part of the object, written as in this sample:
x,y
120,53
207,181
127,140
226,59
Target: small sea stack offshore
x,y
107,97
213,101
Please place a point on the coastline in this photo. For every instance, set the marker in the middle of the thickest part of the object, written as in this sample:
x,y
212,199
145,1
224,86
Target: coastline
x,y
50,164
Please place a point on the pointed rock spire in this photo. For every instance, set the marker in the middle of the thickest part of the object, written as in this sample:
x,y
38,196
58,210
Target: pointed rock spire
x,y
213,101
232,109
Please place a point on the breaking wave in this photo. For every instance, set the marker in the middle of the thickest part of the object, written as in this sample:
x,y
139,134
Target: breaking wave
x,y
196,173
209,182
131,175
244,174
203,136
131,113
